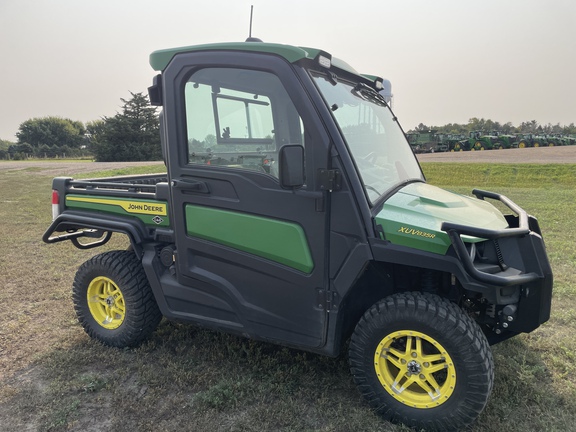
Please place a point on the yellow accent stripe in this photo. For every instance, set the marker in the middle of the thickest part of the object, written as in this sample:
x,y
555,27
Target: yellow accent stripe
x,y
139,207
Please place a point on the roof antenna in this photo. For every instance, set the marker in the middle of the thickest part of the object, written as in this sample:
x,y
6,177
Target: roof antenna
x,y
250,38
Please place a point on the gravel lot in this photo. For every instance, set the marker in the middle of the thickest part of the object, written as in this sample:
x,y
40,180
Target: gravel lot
x,y
540,155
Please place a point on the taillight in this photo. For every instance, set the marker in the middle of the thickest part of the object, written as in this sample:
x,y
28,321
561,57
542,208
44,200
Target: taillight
x,y
55,204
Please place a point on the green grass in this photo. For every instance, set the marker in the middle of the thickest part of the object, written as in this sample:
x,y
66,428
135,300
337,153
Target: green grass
x,y
501,175
133,170
54,378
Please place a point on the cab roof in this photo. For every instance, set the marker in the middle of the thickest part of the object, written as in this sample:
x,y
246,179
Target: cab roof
x,y
159,59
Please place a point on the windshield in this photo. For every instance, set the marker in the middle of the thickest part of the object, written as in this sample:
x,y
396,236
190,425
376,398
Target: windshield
x,y
382,155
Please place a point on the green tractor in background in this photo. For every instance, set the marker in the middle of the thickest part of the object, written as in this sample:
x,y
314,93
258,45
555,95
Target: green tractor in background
x,y
557,140
477,141
526,140
504,141
425,142
461,145
413,139
449,142
531,140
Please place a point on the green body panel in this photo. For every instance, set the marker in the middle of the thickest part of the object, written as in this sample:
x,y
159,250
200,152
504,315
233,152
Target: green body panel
x,y
273,239
150,212
413,216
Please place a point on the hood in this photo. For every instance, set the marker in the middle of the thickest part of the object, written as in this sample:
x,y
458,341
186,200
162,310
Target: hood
x,y
413,216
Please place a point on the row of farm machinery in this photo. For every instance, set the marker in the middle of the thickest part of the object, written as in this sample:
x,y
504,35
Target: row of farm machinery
x,y
431,141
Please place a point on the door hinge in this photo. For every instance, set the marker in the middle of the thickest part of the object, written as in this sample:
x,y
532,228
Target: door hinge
x,y
326,300
330,180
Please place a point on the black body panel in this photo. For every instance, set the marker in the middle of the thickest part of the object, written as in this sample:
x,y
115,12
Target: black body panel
x,y
222,286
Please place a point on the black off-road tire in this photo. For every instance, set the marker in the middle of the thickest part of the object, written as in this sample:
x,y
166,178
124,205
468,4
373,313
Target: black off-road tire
x,y
113,299
407,341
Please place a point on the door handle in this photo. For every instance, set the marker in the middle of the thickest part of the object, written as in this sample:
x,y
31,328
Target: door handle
x,y
191,185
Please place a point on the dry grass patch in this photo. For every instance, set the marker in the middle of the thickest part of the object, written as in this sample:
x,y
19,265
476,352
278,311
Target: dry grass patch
x,y
54,378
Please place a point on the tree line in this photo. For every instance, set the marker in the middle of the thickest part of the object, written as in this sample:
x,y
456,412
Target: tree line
x,y
131,135
476,124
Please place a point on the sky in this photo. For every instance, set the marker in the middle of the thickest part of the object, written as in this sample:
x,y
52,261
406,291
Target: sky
x,y
448,60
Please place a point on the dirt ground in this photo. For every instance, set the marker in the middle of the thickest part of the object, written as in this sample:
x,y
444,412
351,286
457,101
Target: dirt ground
x,y
540,155
537,155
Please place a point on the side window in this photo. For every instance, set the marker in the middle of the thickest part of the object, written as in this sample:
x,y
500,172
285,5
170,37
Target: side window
x,y
239,118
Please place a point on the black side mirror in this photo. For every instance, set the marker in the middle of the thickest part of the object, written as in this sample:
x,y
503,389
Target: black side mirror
x,y
291,166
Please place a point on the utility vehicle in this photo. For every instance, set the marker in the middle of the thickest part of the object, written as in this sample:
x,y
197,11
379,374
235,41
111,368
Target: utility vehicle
x,y
294,211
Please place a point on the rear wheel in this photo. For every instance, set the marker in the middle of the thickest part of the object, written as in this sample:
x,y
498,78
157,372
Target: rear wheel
x,y
113,300
421,361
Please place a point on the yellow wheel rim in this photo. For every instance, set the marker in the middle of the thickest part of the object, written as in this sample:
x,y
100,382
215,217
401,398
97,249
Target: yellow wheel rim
x,y
536,144
106,303
522,144
415,369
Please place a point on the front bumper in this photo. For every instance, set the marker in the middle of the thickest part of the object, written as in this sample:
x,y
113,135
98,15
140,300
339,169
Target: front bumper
x,y
519,272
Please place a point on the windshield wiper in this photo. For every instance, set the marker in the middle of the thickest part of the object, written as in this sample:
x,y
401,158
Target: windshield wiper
x,y
367,93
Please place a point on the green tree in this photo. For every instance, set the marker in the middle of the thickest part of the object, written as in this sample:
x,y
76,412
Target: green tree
x,y
4,144
488,126
132,135
570,129
25,148
51,131
528,127
508,128
422,128
44,151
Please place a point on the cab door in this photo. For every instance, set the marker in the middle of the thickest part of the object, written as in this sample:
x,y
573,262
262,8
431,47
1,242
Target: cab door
x,y
250,254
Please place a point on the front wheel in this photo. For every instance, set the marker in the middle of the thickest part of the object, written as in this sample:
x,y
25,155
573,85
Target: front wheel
x,y
421,361
113,299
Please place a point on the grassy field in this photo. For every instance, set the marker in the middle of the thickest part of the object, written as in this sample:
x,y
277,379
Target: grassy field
x,y
54,378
